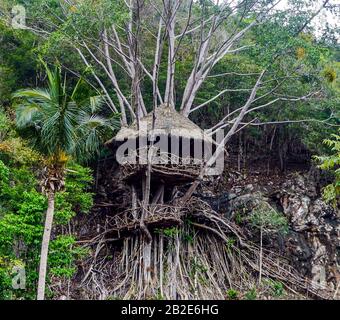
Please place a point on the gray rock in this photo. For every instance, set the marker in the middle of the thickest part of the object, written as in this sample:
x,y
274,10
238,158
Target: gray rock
x,y
313,243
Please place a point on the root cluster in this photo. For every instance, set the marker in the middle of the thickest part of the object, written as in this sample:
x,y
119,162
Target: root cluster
x,y
202,257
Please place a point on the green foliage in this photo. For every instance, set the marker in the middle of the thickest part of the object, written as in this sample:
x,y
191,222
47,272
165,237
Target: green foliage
x,y
22,211
188,238
330,74
197,266
6,266
63,254
188,233
75,198
168,232
269,220
232,294
159,296
70,118
17,59
5,126
4,174
198,271
17,151
63,212
331,192
230,243
14,186
56,124
13,149
238,217
276,288
251,294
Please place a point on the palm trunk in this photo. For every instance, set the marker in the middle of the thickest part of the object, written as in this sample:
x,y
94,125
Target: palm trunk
x,y
44,246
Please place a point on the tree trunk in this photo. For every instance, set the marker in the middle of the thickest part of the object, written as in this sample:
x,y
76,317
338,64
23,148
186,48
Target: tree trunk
x,y
44,246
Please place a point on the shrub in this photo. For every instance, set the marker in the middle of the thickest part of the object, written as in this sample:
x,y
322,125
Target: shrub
x,y
251,294
22,211
331,192
268,219
63,254
232,294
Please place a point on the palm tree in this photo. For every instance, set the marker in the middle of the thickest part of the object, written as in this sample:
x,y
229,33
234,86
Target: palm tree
x,y
60,129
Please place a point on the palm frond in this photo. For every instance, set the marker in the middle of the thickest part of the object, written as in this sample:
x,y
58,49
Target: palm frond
x,y
75,90
38,95
97,103
57,134
60,123
92,121
27,114
115,121
54,82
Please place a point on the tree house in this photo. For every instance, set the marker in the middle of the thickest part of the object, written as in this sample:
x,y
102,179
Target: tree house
x,y
157,154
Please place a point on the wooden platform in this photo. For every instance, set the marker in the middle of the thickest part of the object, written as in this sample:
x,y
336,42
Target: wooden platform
x,y
169,173
157,216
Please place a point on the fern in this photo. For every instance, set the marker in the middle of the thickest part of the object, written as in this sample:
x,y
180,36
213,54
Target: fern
x,y
331,192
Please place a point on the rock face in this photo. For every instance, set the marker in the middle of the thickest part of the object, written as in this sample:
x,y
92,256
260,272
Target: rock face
x,y
313,241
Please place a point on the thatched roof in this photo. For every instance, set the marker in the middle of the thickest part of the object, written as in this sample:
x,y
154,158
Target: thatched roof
x,y
167,122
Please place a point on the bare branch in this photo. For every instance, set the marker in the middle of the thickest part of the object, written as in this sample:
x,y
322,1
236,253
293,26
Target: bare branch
x,y
109,64
223,123
221,146
126,59
243,111
156,65
186,31
171,10
255,122
217,96
112,78
282,99
233,74
111,104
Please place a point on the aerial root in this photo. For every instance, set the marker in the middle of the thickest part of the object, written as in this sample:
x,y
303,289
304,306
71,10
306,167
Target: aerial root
x,y
200,259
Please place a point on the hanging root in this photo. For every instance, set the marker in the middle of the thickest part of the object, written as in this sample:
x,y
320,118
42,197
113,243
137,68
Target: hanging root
x,y
170,268
201,258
